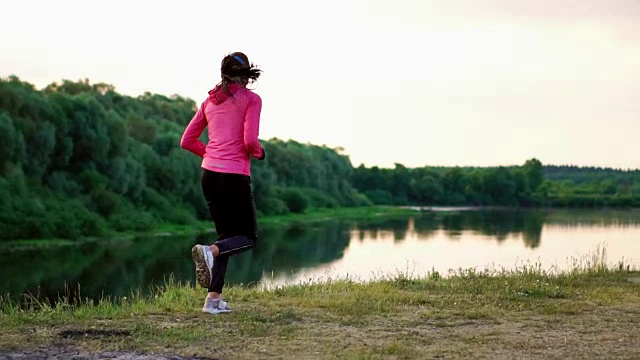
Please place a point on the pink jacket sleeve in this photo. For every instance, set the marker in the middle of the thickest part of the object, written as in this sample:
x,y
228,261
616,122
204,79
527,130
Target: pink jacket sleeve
x,y
252,127
191,136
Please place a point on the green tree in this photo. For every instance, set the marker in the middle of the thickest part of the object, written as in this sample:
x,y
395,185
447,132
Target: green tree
x,y
11,144
533,171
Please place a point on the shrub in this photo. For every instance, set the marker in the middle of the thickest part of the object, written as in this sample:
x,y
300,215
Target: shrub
x,y
272,206
379,197
105,202
130,219
179,215
359,199
70,219
62,182
295,199
318,199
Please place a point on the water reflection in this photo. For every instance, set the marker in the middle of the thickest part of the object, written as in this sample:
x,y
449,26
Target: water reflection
x,y
462,238
92,269
96,269
496,225
284,250
496,239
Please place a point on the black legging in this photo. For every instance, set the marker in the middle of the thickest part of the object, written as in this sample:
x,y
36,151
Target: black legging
x,y
233,211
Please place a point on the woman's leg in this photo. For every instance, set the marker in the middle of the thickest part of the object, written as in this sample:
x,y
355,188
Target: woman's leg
x,y
240,229
232,208
203,256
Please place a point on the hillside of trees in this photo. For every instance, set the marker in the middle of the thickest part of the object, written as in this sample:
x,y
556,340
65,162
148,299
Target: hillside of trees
x,y
79,159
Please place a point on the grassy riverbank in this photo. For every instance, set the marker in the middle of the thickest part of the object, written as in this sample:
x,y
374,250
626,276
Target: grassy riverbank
x,y
347,213
590,312
351,213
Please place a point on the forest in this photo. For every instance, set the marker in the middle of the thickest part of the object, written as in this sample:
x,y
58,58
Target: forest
x,y
531,184
79,159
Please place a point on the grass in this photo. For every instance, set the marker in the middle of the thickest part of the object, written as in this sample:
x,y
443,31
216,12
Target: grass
x,y
590,311
310,216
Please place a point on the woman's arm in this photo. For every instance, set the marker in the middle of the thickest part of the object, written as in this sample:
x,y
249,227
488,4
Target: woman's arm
x,y
252,128
191,136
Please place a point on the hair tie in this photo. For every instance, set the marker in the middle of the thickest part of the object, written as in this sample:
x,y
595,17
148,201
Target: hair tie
x,y
239,60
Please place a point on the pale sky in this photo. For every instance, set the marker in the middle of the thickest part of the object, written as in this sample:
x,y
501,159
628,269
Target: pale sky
x,y
443,82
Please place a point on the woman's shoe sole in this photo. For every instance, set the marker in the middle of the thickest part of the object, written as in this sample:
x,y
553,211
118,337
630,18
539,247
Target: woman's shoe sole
x,y
203,273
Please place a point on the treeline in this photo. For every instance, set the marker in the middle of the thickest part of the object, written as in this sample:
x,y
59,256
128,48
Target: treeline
x,y
79,159
531,184
591,180
508,186
574,186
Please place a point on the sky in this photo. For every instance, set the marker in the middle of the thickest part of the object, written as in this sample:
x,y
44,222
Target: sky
x,y
421,83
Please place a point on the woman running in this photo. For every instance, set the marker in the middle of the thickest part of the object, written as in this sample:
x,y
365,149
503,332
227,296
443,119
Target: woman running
x,y
232,115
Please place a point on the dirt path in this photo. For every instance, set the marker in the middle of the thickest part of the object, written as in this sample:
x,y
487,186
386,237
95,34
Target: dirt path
x,y
604,333
69,353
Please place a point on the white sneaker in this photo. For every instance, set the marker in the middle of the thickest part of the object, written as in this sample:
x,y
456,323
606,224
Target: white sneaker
x,y
215,306
203,258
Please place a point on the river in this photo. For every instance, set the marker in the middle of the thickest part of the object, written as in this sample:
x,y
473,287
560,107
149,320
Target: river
x,y
440,241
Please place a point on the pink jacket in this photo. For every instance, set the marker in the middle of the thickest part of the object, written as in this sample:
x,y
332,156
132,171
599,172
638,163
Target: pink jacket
x,y
233,124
